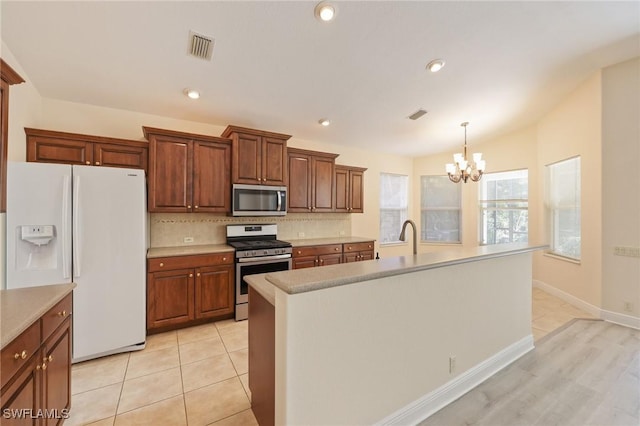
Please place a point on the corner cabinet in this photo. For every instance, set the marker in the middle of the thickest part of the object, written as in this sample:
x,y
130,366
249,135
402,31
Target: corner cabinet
x,y
258,157
46,146
311,181
188,290
36,369
349,193
8,77
187,172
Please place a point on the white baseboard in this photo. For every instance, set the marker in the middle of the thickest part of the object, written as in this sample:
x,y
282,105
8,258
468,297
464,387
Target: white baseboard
x,y
428,404
610,316
569,298
621,319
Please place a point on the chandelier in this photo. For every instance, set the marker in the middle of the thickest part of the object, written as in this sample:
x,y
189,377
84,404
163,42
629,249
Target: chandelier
x,y
461,169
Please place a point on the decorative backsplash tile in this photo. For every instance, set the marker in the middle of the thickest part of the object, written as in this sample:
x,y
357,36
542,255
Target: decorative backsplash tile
x,y
171,229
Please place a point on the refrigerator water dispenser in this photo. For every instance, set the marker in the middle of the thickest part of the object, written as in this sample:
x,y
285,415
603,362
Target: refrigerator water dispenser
x,y
36,247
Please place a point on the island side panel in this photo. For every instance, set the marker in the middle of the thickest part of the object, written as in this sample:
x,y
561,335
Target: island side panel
x,y
378,346
262,357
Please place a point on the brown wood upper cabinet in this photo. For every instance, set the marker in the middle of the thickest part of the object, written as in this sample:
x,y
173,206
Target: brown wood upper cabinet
x,y
7,77
47,146
258,157
349,189
311,181
187,172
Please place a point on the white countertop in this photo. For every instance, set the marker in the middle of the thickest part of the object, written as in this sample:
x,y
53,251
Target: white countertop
x,y
310,279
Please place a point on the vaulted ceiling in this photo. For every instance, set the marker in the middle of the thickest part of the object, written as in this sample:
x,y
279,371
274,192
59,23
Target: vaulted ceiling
x,y
276,67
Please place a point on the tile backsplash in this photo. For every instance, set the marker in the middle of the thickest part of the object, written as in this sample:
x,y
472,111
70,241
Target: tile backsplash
x,y
171,229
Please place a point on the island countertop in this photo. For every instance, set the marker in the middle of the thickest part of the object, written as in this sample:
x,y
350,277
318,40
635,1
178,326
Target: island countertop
x,y
311,279
21,307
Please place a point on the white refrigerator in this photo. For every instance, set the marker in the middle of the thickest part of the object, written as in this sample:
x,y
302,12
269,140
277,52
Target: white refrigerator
x,y
85,225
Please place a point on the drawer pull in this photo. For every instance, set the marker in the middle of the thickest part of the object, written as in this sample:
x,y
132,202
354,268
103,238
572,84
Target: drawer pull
x,y
189,206
196,207
337,248
161,264
299,252
224,258
62,314
44,366
349,248
369,245
88,163
97,163
21,355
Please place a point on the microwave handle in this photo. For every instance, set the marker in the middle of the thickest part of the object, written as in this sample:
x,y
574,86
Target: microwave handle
x,y
279,200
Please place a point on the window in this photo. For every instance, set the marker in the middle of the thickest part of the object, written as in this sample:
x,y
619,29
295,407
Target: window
x,y
439,210
563,207
394,194
504,207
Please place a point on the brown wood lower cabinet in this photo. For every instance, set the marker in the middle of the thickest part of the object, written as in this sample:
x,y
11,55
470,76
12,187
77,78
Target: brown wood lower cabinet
x,y
331,254
358,252
312,256
186,290
36,371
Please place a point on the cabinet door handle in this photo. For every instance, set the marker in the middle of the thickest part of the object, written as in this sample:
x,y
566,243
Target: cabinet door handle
x,y
316,261
97,163
88,163
198,274
196,207
50,358
21,355
62,313
322,261
44,366
337,248
190,275
189,206
309,208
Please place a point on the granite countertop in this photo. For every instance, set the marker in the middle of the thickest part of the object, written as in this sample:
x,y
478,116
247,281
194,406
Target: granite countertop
x,y
330,240
187,250
310,279
21,307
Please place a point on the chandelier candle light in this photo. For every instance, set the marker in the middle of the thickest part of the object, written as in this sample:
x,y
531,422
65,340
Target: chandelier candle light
x,y
461,169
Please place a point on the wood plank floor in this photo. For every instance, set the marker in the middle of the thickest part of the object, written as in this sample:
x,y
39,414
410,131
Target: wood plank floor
x,y
585,373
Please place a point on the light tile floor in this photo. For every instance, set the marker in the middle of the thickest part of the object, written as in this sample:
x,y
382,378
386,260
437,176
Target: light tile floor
x,y
198,376
195,376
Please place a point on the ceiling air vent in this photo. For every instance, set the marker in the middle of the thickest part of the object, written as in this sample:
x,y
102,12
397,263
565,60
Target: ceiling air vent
x,y
200,46
419,113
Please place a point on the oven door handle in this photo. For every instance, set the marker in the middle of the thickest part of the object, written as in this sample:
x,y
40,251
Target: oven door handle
x,y
263,258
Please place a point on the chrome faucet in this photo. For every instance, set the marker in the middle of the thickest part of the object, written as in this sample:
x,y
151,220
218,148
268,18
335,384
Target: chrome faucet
x,y
415,236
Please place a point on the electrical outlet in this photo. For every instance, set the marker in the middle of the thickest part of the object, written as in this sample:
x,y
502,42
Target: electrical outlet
x,y
188,239
452,364
628,307
300,234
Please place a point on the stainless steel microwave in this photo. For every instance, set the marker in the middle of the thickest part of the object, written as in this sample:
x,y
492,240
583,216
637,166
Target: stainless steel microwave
x,y
259,200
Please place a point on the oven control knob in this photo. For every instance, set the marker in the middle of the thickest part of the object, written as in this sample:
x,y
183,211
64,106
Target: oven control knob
x,y
265,252
253,253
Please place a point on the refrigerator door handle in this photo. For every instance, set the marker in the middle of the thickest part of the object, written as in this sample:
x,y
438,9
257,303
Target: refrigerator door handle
x,y
66,263
76,226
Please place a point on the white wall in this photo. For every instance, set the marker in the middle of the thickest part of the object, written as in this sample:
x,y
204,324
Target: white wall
x,y
621,185
574,128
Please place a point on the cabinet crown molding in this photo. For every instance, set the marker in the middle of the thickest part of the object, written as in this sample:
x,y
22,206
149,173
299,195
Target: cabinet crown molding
x,y
237,129
30,132
149,131
8,74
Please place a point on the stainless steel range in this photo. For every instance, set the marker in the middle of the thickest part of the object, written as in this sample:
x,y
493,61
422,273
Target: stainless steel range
x,y
257,251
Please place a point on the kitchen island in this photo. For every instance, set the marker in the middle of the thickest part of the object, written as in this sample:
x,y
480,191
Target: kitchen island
x,y
386,341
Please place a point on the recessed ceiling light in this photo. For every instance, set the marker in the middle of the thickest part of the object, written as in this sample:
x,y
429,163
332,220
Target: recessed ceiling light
x,y
325,11
324,122
193,94
435,65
